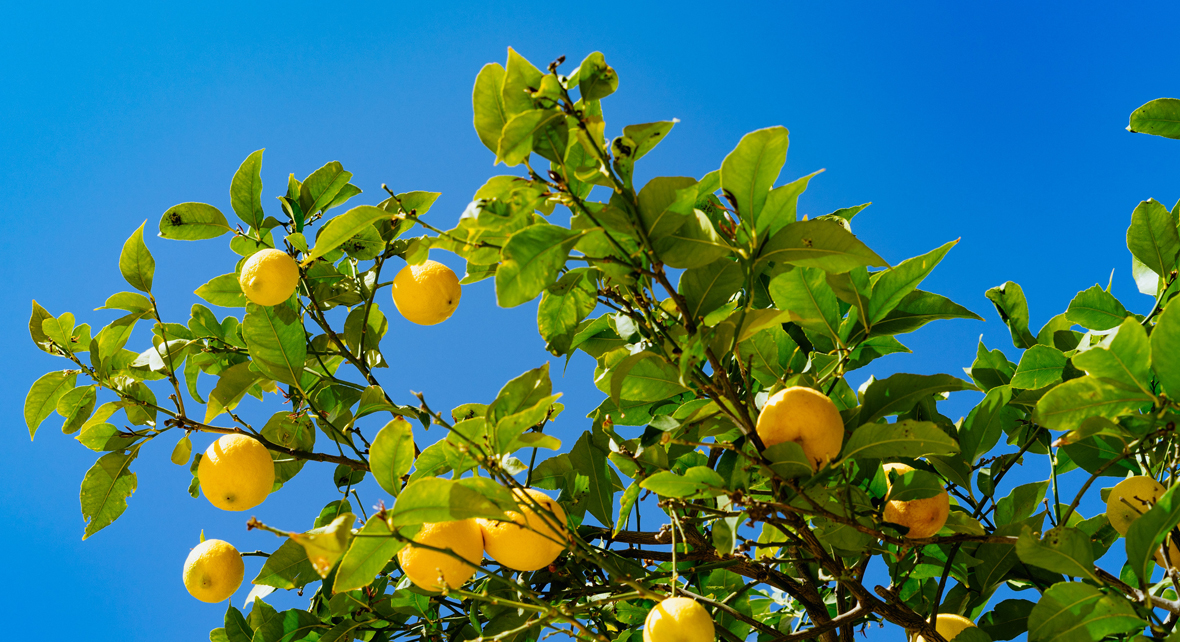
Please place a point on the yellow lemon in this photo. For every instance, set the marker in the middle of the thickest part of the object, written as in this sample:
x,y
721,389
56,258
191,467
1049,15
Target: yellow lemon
x,y
949,625
804,416
426,294
527,542
1129,499
424,567
269,277
236,472
213,571
924,517
678,619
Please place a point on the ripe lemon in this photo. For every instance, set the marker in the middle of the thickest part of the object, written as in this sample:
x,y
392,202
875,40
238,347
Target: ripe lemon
x,y
426,294
1129,499
678,619
527,542
949,625
213,571
269,277
236,472
804,416
924,517
424,566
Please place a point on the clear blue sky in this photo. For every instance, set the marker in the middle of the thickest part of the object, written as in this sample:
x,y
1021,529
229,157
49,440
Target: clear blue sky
x,y
1000,123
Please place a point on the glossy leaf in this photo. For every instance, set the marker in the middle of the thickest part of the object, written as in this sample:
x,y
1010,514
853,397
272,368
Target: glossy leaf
x,y
276,341
488,104
370,550
223,291
1013,308
286,568
891,286
434,499
44,395
1061,550
193,222
1039,367
392,455
1159,117
1096,309
898,393
341,228
1064,407
1165,348
532,258
1152,236
750,170
105,490
818,243
1078,612
245,191
907,438
811,302
136,262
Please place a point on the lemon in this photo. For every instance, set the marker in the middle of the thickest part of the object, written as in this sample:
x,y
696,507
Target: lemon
x,y
236,472
426,294
425,567
527,542
924,517
1129,499
678,619
804,416
213,571
949,625
269,277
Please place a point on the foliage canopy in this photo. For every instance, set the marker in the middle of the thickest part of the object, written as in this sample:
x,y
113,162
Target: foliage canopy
x,y
698,299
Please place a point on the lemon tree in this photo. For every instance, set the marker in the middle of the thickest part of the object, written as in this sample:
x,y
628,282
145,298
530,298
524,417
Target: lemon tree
x,y
745,474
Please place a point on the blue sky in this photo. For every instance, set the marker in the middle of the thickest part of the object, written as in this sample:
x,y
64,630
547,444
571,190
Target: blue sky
x,y
1000,124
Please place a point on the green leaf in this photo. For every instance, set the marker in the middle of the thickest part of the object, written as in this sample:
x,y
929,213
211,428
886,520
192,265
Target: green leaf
x,y
286,568
985,423
341,228
76,406
433,499
1122,356
531,260
44,395
1039,366
891,286
224,291
898,393
321,190
818,243
596,79
136,262
696,482
370,550
1148,531
643,376
487,101
519,77
782,205
913,485
788,460
908,438
645,137
564,305
264,619
36,329
1160,117
665,203
1007,620
517,140
1152,236
245,191
1165,348
706,288
193,222
392,455
1013,308
232,385
182,451
750,170
1064,407
1062,550
590,462
811,302
1078,612
1096,309
105,490
695,244
916,310
1022,502
277,342
129,301
236,627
